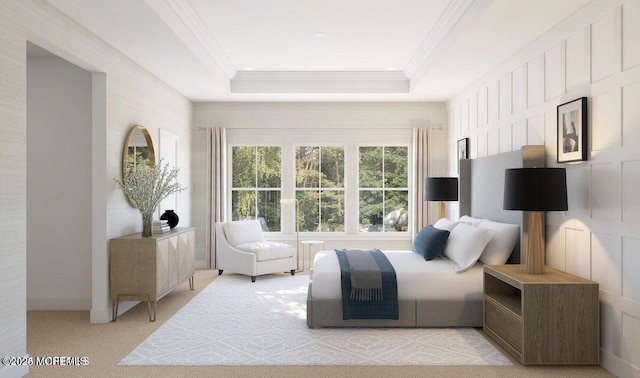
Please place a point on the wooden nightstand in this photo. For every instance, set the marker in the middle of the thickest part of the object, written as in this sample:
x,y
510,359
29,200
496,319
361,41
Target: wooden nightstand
x,y
550,318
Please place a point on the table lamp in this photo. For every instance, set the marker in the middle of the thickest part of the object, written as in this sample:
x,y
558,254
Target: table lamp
x,y
441,189
535,190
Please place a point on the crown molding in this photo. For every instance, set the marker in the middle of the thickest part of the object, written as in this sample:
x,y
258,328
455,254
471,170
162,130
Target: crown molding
x,y
319,82
454,21
185,22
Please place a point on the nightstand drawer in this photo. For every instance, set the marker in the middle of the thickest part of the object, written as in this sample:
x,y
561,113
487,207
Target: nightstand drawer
x,y
502,322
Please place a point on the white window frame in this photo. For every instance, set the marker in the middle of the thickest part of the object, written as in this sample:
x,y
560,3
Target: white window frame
x,y
230,178
408,188
343,189
288,138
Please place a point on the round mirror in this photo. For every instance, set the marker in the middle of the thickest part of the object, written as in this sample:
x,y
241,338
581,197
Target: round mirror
x,y
138,150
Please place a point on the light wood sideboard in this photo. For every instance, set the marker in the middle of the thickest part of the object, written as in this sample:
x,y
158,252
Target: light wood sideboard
x,y
146,269
550,318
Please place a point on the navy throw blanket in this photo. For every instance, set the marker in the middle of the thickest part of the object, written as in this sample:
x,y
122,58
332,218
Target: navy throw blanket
x,y
370,307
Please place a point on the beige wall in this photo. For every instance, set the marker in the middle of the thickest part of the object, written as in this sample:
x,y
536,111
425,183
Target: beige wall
x,y
595,54
290,123
124,95
58,198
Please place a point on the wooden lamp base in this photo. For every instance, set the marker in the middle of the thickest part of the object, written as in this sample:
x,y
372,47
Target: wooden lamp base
x,y
441,210
534,259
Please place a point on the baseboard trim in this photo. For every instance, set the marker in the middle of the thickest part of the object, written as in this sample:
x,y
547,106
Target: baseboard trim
x,y
617,366
13,371
59,304
100,315
104,315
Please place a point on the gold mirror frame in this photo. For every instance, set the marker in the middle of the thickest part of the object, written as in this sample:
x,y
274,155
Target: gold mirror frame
x,y
149,154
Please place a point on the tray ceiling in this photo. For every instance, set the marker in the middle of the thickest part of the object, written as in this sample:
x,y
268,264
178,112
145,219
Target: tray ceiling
x,y
318,50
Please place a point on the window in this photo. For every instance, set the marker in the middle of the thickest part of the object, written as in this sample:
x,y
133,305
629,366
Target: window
x,y
256,185
355,187
383,189
320,188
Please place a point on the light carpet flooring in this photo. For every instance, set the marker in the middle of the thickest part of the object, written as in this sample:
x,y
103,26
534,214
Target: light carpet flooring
x,y
235,321
69,333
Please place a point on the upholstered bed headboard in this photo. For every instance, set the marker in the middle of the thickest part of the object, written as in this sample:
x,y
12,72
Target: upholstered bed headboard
x,y
482,188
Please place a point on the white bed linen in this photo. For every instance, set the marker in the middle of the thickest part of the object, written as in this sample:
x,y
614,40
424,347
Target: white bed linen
x,y
417,278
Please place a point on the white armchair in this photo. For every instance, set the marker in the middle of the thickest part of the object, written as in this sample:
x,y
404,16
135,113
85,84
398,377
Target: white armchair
x,y
242,248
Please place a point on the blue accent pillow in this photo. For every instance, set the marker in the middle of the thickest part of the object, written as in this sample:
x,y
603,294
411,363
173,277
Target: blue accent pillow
x,y
430,242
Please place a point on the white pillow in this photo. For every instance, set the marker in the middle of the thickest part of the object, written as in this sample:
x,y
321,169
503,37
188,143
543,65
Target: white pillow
x,y
472,221
465,245
505,237
241,232
445,224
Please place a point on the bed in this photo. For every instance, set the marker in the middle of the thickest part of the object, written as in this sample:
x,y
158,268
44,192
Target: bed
x,y
445,291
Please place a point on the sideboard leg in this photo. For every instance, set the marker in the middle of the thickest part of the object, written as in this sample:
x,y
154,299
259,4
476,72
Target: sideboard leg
x,y
114,309
152,319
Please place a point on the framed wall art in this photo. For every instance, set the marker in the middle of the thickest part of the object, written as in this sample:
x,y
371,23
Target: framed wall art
x,y
572,131
463,147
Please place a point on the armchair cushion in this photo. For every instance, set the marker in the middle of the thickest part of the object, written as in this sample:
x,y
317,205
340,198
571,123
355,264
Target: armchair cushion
x,y
267,250
243,232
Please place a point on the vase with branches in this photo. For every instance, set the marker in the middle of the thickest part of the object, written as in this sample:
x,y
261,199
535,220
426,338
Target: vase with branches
x,y
146,186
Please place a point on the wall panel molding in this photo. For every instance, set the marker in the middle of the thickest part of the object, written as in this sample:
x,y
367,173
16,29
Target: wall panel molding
x,y
593,53
631,33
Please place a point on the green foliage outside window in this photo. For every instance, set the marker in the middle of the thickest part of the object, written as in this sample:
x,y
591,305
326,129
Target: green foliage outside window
x,y
256,184
320,188
384,193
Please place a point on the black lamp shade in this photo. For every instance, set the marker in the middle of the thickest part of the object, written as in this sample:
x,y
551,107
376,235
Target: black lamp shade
x,y
535,189
441,189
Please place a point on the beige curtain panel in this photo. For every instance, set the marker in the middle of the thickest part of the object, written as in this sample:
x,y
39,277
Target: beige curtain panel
x,y
421,172
217,191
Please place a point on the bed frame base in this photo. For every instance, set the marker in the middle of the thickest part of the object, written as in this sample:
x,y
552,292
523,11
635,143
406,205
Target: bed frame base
x,y
412,314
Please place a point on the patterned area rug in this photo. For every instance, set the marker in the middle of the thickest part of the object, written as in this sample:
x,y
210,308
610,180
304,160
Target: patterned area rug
x,y
236,322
